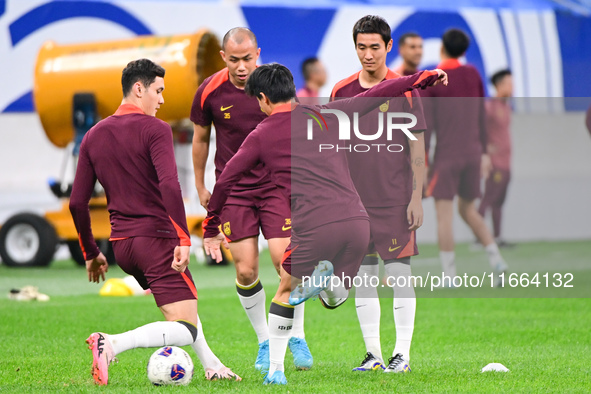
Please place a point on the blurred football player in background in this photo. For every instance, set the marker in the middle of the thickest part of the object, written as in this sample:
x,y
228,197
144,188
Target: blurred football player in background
x,y
498,121
314,74
457,115
410,48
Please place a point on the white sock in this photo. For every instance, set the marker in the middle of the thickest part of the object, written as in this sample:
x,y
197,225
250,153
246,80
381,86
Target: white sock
x,y
405,306
298,322
161,333
252,298
495,259
448,262
367,305
207,358
280,326
334,294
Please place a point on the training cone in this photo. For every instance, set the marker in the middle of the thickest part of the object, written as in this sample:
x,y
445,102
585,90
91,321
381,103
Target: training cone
x,y
495,367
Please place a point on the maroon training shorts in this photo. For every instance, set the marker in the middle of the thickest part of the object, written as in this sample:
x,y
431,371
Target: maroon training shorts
x,y
343,243
390,235
450,178
149,261
245,212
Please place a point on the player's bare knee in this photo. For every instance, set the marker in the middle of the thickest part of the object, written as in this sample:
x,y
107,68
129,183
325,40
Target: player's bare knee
x,y
466,208
181,310
464,215
466,204
246,274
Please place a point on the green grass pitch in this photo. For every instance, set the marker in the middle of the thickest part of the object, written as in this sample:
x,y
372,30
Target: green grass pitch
x,y
545,342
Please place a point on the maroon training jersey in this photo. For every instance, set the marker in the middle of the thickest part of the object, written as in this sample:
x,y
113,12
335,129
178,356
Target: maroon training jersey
x,y
498,120
458,119
382,179
132,156
403,71
311,96
317,182
234,115
329,192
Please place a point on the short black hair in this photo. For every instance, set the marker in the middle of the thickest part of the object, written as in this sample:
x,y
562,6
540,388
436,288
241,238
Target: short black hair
x,y
274,80
410,34
372,24
455,42
237,33
142,70
307,66
499,76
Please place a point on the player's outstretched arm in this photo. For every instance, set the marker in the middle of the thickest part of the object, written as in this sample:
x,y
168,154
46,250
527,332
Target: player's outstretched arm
x,y
200,152
385,90
442,78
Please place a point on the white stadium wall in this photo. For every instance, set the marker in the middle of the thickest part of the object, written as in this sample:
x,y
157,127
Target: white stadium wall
x,y
551,187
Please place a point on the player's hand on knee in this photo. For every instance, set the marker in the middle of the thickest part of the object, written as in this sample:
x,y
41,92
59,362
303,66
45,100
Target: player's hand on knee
x,y
212,246
96,268
204,196
181,258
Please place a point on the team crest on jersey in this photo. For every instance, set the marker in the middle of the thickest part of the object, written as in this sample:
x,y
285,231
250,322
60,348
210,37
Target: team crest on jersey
x,y
384,107
226,229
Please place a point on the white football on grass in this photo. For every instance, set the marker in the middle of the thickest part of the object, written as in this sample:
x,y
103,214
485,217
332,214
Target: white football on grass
x,y
170,365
